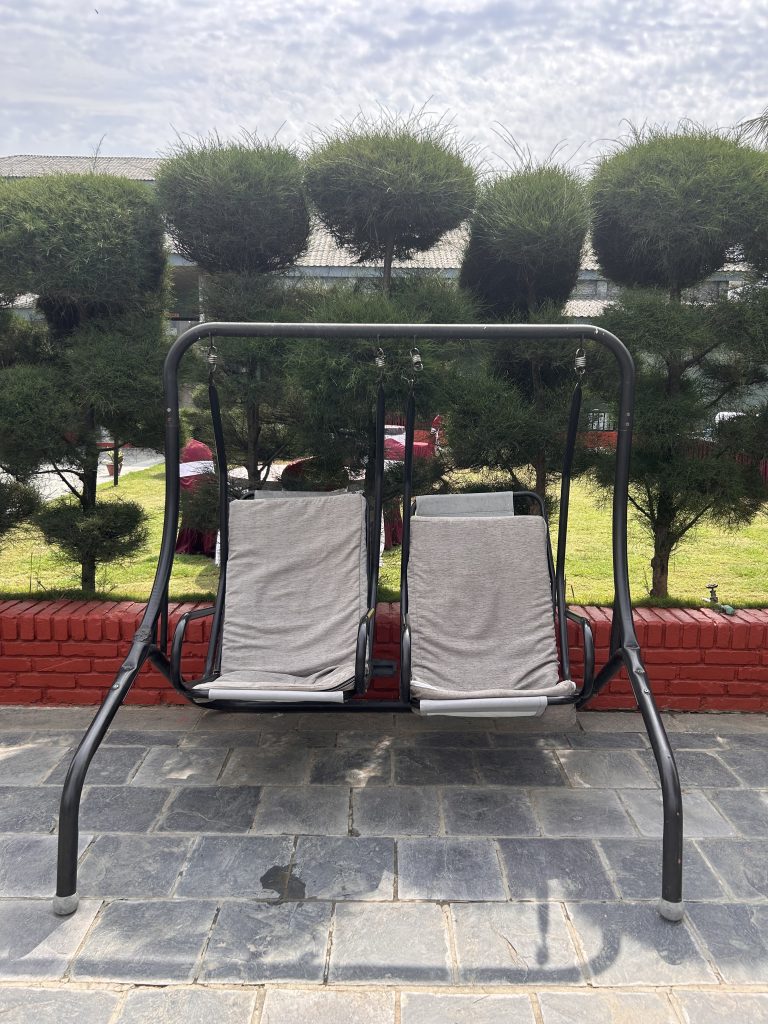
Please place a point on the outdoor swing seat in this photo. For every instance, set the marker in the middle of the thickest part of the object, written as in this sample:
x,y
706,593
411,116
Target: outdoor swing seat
x,y
498,655
480,601
296,595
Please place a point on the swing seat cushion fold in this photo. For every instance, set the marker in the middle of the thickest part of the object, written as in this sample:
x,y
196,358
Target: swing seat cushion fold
x,y
296,591
481,613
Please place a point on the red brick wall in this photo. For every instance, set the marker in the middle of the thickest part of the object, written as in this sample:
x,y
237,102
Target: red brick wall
x,y
67,652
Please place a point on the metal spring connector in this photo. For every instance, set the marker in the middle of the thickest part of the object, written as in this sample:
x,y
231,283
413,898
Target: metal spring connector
x,y
580,362
416,362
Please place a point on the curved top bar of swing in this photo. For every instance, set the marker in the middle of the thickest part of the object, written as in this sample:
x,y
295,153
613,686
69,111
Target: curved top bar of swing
x,y
623,633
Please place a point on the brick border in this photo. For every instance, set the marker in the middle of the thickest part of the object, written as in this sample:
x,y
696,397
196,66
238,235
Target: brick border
x,y
67,652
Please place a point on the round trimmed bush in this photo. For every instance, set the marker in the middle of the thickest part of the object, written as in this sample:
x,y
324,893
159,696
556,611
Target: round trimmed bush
x,y
107,532
235,206
667,207
526,241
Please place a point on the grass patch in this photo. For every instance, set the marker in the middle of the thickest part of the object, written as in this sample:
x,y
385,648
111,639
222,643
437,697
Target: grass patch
x,y
737,561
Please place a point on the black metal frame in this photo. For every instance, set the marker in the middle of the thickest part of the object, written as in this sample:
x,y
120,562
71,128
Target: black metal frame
x,y
624,648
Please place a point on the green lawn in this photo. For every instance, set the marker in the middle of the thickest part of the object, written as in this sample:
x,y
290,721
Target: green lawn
x,y
737,561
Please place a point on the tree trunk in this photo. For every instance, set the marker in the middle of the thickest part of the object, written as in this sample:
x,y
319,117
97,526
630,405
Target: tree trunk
x,y
388,256
115,464
252,452
663,544
90,469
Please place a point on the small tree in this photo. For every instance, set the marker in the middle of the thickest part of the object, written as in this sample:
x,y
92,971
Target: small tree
x,y
238,209
235,206
667,209
91,248
17,504
522,263
391,186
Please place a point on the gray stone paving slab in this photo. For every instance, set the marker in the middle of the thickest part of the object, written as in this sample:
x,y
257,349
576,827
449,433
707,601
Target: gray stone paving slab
x,y
494,811
607,741
636,866
606,1008
519,768
613,721
121,808
747,809
435,767
28,808
28,864
211,809
749,764
318,739
255,943
405,724
179,718
554,720
33,718
631,944
741,863
303,810
187,1006
111,766
132,866
514,944
554,869
722,1007
390,943
234,866
146,942
449,869
35,943
698,741
581,812
395,811
605,769
699,769
220,721
345,868
700,816
736,937
721,724
224,738
27,762
177,766
457,738
358,767
482,1008
263,767
532,740
143,738
289,1006
55,1006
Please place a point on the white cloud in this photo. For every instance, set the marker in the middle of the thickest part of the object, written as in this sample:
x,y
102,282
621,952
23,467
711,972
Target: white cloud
x,y
548,71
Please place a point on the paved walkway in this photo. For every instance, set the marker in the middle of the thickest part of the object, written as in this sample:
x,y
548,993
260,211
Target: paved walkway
x,y
380,869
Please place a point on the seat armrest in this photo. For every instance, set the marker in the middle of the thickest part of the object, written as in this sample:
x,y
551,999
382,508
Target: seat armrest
x,y
178,642
589,652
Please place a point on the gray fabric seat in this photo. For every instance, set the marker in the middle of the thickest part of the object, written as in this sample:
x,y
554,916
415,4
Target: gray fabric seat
x,y
296,591
488,503
480,610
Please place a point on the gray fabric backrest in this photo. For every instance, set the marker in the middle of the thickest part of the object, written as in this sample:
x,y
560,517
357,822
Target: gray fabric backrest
x,y
492,503
480,604
296,584
269,493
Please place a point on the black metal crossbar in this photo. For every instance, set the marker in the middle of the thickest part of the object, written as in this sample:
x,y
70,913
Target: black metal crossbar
x,y
624,648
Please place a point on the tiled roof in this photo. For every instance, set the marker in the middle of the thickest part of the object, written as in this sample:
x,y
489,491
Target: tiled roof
x,y
141,168
585,309
324,252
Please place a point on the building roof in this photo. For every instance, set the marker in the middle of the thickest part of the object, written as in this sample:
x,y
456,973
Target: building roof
x,y
140,168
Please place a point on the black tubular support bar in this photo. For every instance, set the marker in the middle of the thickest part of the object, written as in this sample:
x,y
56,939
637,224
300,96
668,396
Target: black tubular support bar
x,y
624,645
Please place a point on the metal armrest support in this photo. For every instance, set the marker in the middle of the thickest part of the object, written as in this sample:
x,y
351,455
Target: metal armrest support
x,y
363,650
405,659
178,642
589,654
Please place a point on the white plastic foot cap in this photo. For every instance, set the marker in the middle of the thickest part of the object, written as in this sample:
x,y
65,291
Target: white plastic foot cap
x,y
65,905
671,911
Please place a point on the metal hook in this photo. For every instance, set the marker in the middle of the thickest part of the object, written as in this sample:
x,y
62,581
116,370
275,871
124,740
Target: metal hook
x,y
416,360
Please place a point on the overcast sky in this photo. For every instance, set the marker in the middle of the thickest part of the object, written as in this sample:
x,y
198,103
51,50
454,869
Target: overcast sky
x,y
136,71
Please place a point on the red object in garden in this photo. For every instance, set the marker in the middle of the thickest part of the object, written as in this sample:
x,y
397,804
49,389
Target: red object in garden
x,y
195,462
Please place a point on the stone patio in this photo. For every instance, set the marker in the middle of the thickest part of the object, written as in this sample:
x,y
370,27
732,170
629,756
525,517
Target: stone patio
x,y
382,869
